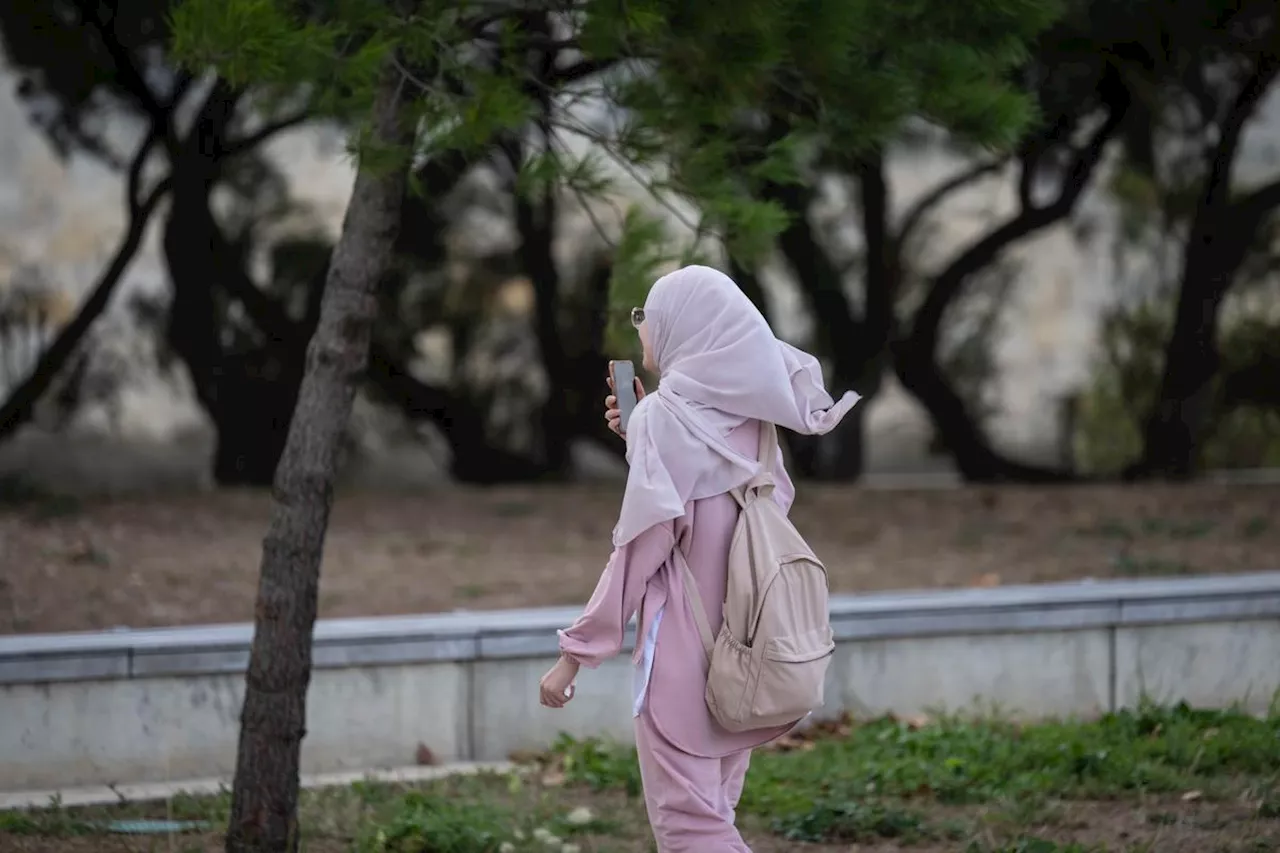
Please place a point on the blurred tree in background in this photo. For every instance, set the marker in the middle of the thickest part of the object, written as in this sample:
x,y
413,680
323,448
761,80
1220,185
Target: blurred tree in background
x,y
1129,100
240,337
1189,373
1151,82
70,51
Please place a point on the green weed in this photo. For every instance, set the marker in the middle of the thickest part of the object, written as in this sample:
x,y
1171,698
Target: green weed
x,y
957,761
854,822
972,785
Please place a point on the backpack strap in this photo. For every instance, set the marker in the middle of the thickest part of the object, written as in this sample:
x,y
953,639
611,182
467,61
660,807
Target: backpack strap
x,y
762,484
768,454
695,601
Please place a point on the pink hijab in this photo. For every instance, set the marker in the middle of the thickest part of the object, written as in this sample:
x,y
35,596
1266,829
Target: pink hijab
x,y
721,365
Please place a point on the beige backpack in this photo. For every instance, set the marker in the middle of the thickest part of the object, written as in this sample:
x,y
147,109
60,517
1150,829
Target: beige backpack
x,y
770,660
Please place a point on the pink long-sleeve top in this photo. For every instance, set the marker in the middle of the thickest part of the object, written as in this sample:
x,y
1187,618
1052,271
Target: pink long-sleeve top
x,y
642,578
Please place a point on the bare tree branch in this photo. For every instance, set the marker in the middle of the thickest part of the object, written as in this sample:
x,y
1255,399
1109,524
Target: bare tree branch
x,y
948,285
934,197
1223,158
1252,385
130,77
579,71
19,408
1254,206
236,147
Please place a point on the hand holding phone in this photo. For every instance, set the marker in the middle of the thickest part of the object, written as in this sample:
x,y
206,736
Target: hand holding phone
x,y
627,392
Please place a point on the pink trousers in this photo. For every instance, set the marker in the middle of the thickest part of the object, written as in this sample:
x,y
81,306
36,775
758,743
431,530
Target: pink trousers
x,y
691,801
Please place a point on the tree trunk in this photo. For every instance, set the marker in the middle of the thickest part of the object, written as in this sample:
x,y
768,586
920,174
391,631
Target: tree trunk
x,y
252,423
868,353
1188,400
749,283
265,792
1222,233
1174,428
975,458
248,391
248,395
588,366
535,222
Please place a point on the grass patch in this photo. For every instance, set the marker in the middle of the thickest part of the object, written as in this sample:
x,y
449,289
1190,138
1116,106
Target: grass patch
x,y
56,820
857,822
1255,526
889,779
1109,528
1131,565
470,591
957,761
18,493
1155,779
514,509
597,764
1156,528
1038,845
422,821
52,821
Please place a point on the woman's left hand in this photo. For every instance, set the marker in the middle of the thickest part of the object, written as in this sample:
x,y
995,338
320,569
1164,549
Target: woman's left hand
x,y
556,687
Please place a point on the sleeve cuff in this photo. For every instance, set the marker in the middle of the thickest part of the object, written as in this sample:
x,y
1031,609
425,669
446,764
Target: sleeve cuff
x,y
584,662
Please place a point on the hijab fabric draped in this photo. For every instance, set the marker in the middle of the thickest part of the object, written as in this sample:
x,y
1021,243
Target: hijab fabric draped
x,y
721,365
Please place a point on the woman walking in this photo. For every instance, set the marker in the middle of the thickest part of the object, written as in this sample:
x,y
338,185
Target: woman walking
x,y
723,375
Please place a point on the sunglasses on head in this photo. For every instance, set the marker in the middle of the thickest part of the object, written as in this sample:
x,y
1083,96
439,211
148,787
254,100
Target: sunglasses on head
x,y
637,317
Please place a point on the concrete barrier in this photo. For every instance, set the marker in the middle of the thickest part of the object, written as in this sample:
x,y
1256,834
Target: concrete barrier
x,y
132,707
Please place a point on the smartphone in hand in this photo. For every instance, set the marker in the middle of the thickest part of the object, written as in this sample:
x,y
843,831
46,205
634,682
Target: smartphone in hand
x,y
623,374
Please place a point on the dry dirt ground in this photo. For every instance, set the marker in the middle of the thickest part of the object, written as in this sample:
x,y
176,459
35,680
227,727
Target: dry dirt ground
x,y
70,566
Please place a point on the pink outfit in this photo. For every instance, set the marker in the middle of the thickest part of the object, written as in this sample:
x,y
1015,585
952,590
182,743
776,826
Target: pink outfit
x,y
681,748
688,445
691,801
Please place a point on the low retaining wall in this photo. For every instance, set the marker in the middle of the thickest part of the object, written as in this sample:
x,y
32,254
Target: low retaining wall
x,y
141,706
